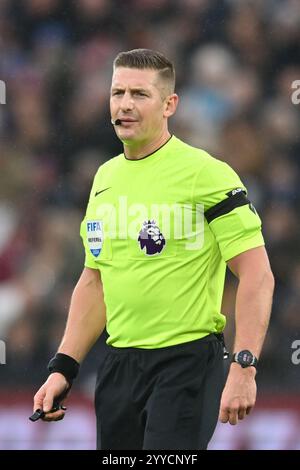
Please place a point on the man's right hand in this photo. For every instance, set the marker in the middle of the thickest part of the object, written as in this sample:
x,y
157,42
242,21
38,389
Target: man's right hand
x,y
55,386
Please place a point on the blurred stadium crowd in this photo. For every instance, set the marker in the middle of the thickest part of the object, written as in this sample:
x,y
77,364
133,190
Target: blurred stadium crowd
x,y
236,61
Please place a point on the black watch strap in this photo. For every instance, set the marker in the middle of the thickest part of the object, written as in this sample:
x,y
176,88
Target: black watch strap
x,y
245,358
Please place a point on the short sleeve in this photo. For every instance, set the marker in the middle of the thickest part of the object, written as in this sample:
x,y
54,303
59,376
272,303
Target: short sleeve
x,y
231,216
89,258
89,261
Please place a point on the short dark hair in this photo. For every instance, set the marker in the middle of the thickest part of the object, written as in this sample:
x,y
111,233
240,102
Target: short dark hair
x,y
148,59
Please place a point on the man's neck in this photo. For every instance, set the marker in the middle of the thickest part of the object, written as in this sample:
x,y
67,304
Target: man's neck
x,y
144,149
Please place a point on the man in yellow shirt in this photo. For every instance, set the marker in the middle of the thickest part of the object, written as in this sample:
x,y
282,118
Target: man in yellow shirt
x,y
162,222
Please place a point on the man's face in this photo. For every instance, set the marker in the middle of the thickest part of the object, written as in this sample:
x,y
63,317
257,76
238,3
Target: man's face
x,y
139,100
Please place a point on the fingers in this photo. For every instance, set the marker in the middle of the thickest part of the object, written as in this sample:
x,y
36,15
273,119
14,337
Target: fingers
x,y
55,416
48,401
242,409
241,413
44,401
224,415
38,400
234,413
229,415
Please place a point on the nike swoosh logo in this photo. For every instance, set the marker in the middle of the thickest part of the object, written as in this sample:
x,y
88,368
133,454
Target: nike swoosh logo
x,y
102,191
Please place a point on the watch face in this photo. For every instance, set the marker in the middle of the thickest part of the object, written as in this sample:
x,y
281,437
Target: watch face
x,y
245,357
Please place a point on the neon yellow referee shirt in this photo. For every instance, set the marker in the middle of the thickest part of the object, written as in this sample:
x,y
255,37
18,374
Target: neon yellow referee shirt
x,y
160,230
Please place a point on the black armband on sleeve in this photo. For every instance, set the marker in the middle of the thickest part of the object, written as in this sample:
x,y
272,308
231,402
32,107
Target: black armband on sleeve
x,y
64,364
227,205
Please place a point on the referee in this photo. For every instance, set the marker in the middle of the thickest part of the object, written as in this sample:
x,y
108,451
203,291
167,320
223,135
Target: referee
x,y
162,222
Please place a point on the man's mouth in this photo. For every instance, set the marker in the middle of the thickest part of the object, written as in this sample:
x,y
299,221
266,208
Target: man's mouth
x,y
127,123
127,120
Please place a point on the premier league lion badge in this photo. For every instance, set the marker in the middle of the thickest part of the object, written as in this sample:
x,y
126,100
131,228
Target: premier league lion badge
x,y
151,238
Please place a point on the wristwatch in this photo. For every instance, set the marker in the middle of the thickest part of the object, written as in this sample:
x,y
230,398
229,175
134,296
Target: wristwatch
x,y
245,358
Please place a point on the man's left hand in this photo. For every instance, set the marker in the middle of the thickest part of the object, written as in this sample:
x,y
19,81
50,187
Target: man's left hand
x,y
239,394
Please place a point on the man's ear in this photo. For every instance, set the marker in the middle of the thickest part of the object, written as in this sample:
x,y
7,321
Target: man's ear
x,y
170,105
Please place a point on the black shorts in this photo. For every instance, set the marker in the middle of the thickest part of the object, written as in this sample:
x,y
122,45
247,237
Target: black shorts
x,y
165,398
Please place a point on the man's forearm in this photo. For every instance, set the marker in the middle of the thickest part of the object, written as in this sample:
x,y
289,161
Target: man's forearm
x,y
86,319
253,307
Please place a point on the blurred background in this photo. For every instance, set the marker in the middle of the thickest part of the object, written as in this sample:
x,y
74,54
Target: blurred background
x,y
236,61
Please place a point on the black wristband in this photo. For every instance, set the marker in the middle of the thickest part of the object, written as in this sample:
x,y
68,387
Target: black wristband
x,y
64,364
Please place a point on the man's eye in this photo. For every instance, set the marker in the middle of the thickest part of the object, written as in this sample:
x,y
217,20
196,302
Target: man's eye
x,y
117,93
140,93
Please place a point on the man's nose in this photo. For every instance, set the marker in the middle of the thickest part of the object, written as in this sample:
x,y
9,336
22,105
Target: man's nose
x,y
127,103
